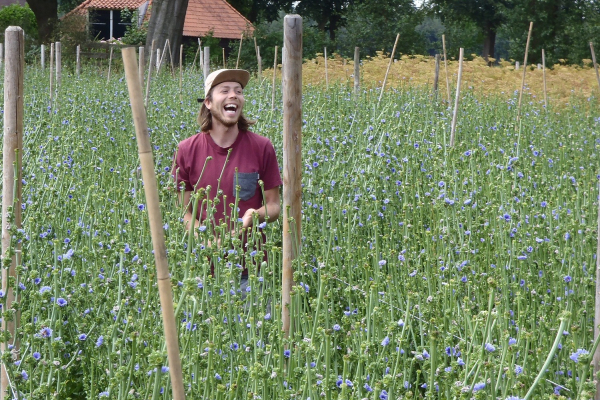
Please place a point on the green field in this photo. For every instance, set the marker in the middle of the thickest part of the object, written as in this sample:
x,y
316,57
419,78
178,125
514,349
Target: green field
x,y
426,271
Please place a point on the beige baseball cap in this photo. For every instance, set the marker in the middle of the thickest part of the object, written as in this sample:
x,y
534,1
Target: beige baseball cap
x,y
240,76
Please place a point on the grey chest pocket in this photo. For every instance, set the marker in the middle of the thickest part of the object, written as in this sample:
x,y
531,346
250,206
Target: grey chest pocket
x,y
247,182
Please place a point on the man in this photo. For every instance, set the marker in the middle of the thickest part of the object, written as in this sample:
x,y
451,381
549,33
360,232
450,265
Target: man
x,y
228,160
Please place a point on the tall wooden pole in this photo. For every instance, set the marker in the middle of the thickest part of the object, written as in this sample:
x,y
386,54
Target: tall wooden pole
x,y
224,61
544,77
274,77
156,225
292,156
206,61
51,73
446,67
181,73
149,73
596,68
141,65
326,75
458,80
259,61
237,63
388,68
356,70
436,75
596,357
11,186
524,71
43,56
78,61
109,64
58,65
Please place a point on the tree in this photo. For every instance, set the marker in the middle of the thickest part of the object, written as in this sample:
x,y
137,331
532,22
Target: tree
x,y
260,10
328,14
46,16
166,22
488,15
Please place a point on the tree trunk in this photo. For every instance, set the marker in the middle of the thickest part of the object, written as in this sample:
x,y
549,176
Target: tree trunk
x,y
489,43
166,22
46,16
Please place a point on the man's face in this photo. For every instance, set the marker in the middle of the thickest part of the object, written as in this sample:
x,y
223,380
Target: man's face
x,y
227,103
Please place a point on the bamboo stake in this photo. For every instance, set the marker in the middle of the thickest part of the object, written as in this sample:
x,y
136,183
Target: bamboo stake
x,y
388,68
274,76
446,67
51,73
149,73
196,55
1,54
237,63
224,62
156,225
596,356
171,59
11,186
455,113
58,65
292,156
206,61
181,73
43,56
109,64
259,60
78,60
326,76
356,70
524,71
436,76
141,65
544,77
595,66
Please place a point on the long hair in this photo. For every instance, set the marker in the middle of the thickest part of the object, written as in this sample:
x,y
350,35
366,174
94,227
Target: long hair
x,y
205,118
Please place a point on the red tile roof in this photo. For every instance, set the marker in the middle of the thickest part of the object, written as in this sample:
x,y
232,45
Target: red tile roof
x,y
202,16
217,15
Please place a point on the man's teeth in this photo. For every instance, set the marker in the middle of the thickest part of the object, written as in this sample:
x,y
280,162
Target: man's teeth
x,y
230,107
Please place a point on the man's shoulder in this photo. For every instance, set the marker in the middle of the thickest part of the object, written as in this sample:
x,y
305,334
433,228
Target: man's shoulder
x,y
191,141
258,139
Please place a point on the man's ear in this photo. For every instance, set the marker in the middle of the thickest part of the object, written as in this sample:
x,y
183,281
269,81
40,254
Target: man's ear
x,y
207,103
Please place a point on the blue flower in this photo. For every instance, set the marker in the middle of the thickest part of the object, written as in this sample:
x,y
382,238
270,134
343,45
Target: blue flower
x,y
287,353
579,352
24,375
141,207
490,347
368,388
512,341
567,279
45,289
61,302
478,386
383,395
336,327
46,332
518,369
349,383
217,376
36,355
82,337
385,341
100,341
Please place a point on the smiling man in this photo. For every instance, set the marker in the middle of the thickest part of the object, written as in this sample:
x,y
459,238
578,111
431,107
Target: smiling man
x,y
228,160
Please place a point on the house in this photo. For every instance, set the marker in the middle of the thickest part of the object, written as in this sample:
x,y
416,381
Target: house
x,y
106,19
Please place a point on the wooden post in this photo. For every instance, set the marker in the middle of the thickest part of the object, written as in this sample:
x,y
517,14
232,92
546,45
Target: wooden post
x,y
11,186
224,61
388,68
259,60
196,55
141,65
517,65
274,76
237,63
51,73
455,113
292,156
78,61
544,77
58,65
171,59
206,61
446,67
156,225
109,63
356,70
597,75
149,73
436,75
158,61
524,71
326,76
1,54
181,73
43,56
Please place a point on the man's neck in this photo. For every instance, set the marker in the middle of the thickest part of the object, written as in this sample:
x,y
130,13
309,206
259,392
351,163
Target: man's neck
x,y
224,136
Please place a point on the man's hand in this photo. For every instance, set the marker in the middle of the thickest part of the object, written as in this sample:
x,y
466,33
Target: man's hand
x,y
247,218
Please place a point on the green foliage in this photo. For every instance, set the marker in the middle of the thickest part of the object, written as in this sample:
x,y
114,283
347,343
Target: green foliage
x,y
17,15
134,34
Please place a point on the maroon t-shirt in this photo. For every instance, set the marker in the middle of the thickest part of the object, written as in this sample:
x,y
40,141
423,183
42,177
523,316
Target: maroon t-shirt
x,y
252,158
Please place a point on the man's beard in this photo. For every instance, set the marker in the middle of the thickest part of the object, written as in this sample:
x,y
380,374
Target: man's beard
x,y
228,124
